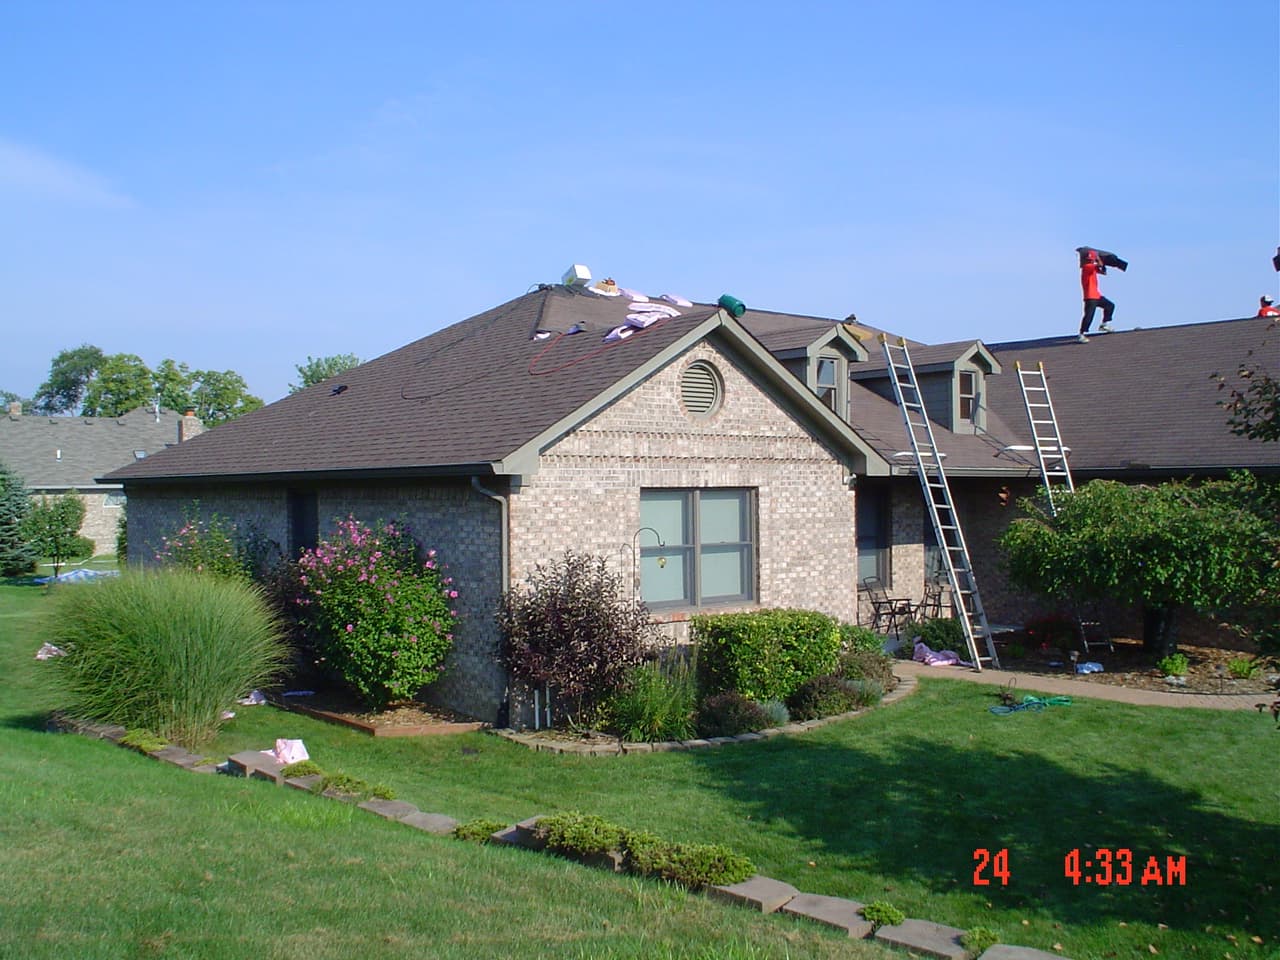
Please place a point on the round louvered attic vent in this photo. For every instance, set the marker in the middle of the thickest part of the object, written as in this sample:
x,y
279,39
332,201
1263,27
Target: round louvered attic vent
x,y
701,389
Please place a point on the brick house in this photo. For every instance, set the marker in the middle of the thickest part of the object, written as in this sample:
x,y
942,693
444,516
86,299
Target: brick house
x,y
57,455
1135,406
774,437
508,438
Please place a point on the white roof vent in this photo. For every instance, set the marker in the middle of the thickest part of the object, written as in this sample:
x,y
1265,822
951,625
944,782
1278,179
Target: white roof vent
x,y
576,276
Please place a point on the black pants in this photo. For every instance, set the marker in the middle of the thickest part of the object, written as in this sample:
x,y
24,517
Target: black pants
x,y
1108,308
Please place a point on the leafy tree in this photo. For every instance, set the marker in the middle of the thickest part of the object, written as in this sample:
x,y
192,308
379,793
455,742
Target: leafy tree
x,y
1253,405
16,555
172,383
317,369
1212,548
221,396
122,383
52,528
69,376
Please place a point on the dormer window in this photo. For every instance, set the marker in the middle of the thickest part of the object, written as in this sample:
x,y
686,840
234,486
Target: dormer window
x,y
829,380
968,395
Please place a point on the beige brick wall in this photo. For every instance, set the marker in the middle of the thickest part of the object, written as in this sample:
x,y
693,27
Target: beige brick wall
x,y
586,493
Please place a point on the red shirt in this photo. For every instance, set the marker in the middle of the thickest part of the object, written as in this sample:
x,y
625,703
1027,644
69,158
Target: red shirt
x,y
1269,311
1089,280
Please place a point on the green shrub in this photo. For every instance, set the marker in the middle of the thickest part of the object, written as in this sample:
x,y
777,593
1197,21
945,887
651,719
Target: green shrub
x,y
381,616
573,628
582,834
144,741
352,787
776,713
122,535
765,654
1174,665
729,714
880,913
940,633
655,702
854,637
1244,668
16,554
866,664
164,650
82,548
692,864
478,830
303,768
824,696
979,939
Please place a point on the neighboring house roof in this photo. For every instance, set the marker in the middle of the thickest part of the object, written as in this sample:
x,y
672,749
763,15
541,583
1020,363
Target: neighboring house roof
x,y
481,396
53,453
1143,402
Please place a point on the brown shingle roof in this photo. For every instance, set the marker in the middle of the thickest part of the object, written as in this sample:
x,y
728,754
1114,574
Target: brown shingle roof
x,y
1139,399
456,401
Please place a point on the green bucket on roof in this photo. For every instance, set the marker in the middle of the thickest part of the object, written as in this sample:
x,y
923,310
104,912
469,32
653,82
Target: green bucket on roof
x,y
732,305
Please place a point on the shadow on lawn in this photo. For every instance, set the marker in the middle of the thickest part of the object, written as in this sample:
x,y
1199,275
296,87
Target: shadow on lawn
x,y
919,816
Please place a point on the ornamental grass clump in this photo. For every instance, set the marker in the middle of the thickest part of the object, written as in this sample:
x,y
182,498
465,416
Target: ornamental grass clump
x,y
380,613
166,651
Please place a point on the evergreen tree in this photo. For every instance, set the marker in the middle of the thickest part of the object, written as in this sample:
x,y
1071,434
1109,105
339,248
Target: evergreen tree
x,y
16,555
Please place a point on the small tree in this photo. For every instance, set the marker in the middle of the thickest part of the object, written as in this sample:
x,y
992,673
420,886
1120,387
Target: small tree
x,y
52,528
317,369
1211,548
1253,401
16,555
571,628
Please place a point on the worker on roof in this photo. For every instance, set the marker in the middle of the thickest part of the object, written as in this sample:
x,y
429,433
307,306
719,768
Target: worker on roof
x,y
1266,307
1091,266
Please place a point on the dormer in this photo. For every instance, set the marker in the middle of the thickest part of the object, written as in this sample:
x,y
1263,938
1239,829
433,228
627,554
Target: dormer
x,y
823,363
952,378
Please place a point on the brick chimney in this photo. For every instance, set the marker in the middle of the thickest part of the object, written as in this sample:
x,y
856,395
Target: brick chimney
x,y
189,426
15,409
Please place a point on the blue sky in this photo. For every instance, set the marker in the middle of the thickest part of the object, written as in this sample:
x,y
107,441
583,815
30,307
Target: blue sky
x,y
238,186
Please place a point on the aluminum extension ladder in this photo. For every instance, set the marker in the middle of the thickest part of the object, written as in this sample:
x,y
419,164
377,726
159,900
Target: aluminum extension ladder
x,y
1050,451
937,494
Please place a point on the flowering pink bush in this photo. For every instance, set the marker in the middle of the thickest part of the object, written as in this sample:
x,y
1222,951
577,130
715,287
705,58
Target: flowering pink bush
x,y
382,616
206,546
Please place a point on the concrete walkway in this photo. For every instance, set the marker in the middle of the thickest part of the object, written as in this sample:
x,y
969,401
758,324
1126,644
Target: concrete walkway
x,y
1079,686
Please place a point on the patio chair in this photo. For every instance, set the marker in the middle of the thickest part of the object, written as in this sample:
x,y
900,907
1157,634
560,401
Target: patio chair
x,y
931,607
888,614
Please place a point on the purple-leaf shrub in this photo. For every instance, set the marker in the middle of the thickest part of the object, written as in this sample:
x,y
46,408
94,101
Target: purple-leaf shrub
x,y
381,615
571,628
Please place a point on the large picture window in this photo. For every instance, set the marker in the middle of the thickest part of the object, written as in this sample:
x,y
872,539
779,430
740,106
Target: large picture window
x,y
707,549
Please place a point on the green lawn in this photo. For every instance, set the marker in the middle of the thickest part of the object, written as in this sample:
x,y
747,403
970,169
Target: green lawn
x,y
108,854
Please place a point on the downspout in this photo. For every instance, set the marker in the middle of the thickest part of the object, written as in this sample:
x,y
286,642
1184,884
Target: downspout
x,y
504,550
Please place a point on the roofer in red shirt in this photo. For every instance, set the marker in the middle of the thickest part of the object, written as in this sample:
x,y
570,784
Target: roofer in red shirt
x,y
1090,266
1266,307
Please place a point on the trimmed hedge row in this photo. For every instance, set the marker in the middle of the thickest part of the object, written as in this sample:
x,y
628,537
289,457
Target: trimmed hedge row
x,y
765,654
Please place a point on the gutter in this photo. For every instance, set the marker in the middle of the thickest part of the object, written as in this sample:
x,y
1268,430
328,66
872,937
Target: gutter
x,y
504,551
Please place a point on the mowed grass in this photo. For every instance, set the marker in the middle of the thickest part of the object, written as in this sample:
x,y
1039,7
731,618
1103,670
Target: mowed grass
x,y
891,805
108,854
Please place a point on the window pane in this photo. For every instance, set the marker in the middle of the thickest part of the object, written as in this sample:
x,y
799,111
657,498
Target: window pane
x,y
826,372
723,572
665,582
666,512
722,517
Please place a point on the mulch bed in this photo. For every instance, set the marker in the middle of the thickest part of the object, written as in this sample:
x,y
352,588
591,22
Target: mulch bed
x,y
410,718
1129,666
